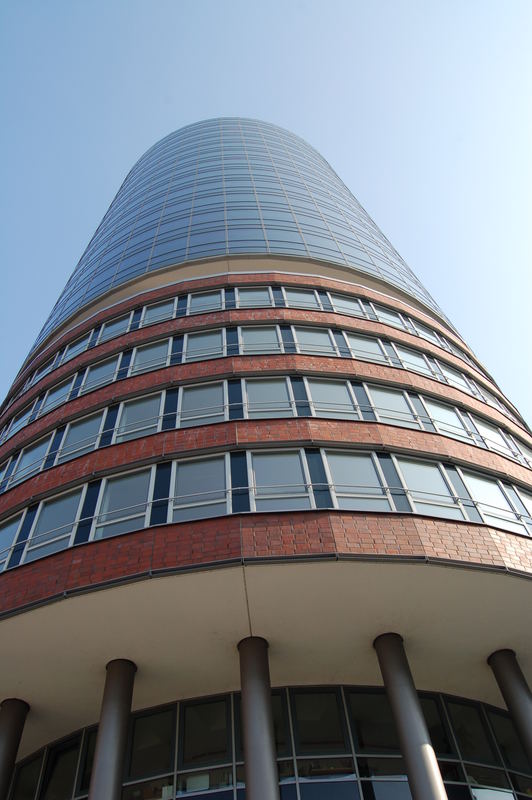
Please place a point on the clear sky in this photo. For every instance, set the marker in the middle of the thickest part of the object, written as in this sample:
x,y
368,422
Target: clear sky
x,y
423,107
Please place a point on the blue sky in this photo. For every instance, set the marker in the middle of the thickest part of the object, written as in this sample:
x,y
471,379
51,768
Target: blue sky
x,y
423,107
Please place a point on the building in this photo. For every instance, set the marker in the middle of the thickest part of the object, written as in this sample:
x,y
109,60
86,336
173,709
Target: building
x,y
246,423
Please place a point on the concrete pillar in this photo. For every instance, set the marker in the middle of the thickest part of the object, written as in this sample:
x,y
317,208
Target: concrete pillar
x,y
516,693
424,775
13,714
260,758
111,741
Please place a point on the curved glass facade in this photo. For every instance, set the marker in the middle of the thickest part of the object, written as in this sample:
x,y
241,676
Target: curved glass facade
x,y
227,187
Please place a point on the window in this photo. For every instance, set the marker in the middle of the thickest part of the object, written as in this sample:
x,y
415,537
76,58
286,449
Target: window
x,y
365,349
413,360
206,301
54,525
318,722
138,418
100,374
201,405
302,298
81,437
158,312
152,744
205,735
492,502
7,536
447,420
314,341
427,333
454,377
372,722
200,489
347,305
20,420
123,506
30,461
472,737
493,437
249,298
76,348
151,356
204,345
429,489
356,482
332,399
388,316
60,772
114,328
260,340
279,481
392,407
268,397
56,396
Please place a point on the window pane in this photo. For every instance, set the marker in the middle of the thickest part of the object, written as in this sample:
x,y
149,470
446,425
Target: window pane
x,y
152,356
30,460
372,721
454,377
260,340
472,737
206,301
429,489
20,420
205,734
58,782
314,340
7,534
202,404
124,504
152,744
446,419
364,348
253,297
392,407
437,730
356,481
200,489
114,328
76,348
204,345
427,333
509,742
139,418
331,399
56,396
346,305
279,481
492,437
318,723
80,438
55,519
414,361
305,298
100,374
386,790
492,502
388,316
267,398
158,312
161,788
26,779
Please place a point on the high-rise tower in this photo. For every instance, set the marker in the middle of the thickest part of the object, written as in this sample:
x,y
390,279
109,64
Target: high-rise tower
x,y
247,440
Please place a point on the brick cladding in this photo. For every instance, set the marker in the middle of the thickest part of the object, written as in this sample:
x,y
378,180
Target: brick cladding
x,y
254,365
256,433
248,538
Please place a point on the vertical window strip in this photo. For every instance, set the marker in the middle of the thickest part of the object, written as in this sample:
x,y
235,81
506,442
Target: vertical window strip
x,y
87,512
302,404
461,492
76,386
318,478
170,410
176,356
125,361
239,482
54,447
231,337
364,404
287,336
234,399
23,536
161,494
109,425
392,482
135,319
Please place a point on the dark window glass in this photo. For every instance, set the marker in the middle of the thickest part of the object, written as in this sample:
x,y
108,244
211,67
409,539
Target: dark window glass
x,y
162,789
508,741
318,722
472,737
325,768
152,744
484,776
372,723
205,733
343,790
58,782
438,732
26,779
386,790
87,760
377,767
280,727
458,793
